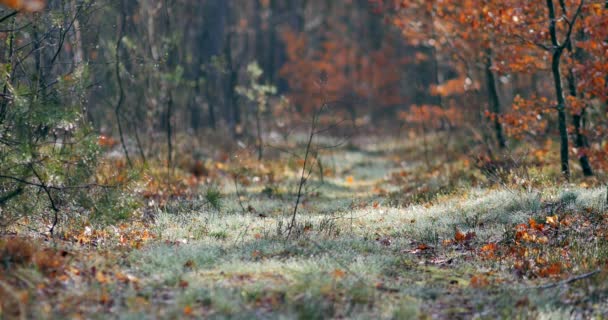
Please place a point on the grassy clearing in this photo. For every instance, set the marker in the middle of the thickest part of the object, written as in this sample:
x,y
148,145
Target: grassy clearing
x,y
469,252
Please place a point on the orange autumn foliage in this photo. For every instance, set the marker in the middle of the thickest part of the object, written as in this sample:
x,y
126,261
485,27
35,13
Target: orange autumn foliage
x,y
356,76
26,5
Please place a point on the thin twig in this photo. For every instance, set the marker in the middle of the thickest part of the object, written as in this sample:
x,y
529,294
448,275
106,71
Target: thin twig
x,y
8,16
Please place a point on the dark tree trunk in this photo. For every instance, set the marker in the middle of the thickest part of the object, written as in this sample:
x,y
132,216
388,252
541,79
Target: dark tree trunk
x,y
494,102
580,140
169,130
232,108
559,91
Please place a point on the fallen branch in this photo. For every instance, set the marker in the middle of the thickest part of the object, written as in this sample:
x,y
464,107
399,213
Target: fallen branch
x,y
568,281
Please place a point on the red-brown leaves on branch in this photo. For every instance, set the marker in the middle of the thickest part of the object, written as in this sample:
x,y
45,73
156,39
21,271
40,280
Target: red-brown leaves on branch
x,y
25,5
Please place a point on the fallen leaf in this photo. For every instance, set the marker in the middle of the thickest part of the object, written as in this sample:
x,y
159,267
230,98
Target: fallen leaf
x,y
552,270
338,273
102,278
188,310
350,180
479,281
553,221
463,237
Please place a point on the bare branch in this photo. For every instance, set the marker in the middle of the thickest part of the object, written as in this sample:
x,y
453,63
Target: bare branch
x,y
8,16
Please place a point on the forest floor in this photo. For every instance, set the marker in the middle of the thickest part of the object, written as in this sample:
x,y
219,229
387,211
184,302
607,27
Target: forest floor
x,y
382,236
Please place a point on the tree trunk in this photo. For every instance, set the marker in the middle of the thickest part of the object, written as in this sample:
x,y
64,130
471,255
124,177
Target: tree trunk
x,y
494,102
559,91
580,140
169,128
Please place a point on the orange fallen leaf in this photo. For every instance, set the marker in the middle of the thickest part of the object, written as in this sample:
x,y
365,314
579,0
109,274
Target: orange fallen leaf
x,y
105,298
490,247
350,180
338,273
489,250
479,281
551,271
101,277
459,236
188,310
462,237
423,247
535,225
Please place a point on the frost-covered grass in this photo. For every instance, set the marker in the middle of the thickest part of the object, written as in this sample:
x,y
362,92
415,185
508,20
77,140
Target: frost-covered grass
x,y
356,254
354,260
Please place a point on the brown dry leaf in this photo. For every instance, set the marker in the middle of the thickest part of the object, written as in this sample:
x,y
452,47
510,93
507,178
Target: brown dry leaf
x,y
189,264
101,277
551,271
183,284
489,250
385,241
338,273
419,249
126,278
535,225
447,242
479,281
463,237
105,298
459,236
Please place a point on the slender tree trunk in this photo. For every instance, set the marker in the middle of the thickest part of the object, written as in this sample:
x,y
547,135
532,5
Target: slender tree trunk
x,y
169,130
231,97
9,60
77,39
121,91
260,139
561,111
580,140
559,91
210,96
494,101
